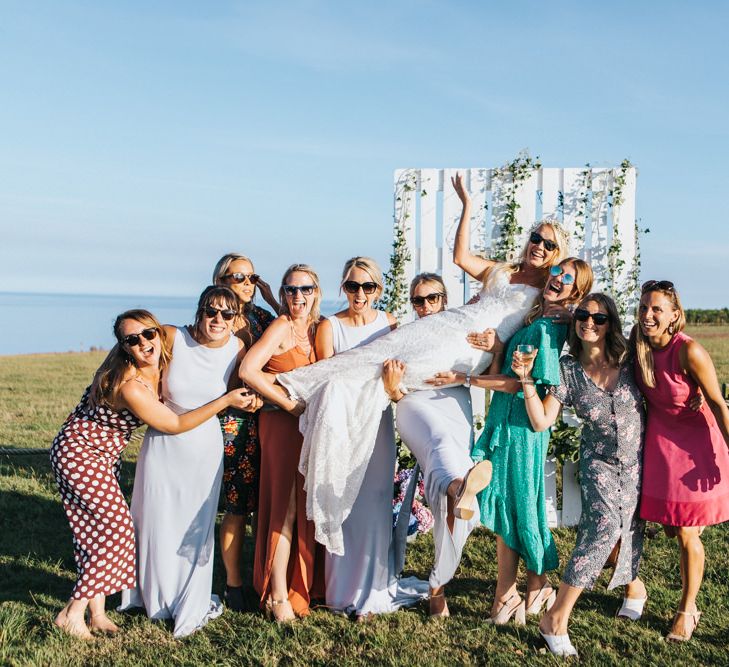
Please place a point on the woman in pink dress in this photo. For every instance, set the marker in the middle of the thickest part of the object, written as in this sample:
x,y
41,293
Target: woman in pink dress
x,y
686,461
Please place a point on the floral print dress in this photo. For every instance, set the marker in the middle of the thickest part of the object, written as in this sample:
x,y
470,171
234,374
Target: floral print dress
x,y
242,453
610,473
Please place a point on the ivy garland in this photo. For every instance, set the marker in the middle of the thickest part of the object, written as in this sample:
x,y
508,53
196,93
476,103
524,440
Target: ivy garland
x,y
395,296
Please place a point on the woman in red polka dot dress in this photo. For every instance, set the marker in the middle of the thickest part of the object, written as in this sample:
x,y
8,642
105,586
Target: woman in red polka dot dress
x,y
85,461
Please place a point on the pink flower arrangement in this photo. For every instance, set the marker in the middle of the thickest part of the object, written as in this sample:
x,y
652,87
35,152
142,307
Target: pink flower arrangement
x,y
421,518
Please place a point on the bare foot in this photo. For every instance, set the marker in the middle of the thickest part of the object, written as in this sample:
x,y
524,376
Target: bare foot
x,y
102,623
74,626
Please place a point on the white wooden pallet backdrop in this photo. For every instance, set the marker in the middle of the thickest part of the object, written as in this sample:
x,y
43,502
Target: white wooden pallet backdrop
x,y
429,210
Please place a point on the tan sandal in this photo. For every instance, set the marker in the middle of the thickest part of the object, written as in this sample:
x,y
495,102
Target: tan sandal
x,y
507,610
443,613
675,637
475,481
274,612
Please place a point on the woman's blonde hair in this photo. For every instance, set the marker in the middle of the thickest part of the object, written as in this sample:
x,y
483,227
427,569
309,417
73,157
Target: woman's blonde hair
x,y
643,350
314,314
108,378
427,277
581,286
561,238
616,347
370,267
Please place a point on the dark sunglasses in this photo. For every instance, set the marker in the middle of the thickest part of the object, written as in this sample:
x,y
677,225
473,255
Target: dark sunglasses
x,y
290,290
419,301
536,238
651,285
132,340
352,287
598,318
232,278
567,278
226,313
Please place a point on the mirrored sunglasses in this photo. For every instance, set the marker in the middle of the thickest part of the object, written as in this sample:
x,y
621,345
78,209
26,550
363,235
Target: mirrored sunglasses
x,y
567,278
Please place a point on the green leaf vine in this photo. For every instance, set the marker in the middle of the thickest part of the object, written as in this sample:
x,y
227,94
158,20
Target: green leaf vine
x,y
395,296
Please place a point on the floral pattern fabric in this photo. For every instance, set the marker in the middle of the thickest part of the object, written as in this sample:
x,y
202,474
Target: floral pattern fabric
x,y
610,473
242,450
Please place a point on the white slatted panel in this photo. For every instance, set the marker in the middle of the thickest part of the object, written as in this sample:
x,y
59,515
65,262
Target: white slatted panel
x,y
551,187
573,192
479,181
571,501
624,221
526,198
405,184
599,235
428,193
550,493
498,206
451,274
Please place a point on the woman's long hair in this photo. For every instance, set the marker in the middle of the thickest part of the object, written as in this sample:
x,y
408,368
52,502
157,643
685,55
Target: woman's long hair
x,y
643,349
582,285
616,347
561,239
108,378
314,314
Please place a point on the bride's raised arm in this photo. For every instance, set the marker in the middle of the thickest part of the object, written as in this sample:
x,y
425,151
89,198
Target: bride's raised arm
x,y
475,266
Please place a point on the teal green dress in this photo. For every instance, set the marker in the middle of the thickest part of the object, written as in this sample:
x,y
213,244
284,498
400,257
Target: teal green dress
x,y
513,504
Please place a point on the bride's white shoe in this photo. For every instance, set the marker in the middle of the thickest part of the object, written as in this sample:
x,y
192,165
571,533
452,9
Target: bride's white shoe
x,y
559,645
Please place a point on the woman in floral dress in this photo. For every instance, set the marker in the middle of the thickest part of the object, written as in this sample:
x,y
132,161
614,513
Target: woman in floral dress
x,y
242,453
597,381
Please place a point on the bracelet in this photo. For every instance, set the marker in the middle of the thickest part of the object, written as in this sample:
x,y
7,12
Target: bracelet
x,y
467,381
527,381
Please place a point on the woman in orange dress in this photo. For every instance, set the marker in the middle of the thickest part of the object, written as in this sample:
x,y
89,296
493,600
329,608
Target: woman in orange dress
x,y
284,569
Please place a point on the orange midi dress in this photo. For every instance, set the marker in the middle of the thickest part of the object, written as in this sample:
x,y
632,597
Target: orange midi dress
x,y
278,432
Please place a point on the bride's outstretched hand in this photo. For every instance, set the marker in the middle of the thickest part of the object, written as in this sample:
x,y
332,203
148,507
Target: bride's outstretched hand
x,y
446,377
457,182
487,341
393,371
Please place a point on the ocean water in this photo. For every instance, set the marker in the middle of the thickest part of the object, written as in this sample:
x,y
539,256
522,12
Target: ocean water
x,y
31,323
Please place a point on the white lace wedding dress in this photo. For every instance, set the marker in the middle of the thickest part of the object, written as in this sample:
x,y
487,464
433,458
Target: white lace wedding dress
x,y
345,396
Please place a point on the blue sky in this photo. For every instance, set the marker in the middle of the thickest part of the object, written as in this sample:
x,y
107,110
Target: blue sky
x,y
141,141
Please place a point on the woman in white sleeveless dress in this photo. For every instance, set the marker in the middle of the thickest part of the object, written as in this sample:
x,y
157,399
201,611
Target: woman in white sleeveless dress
x,y
363,581
344,395
177,480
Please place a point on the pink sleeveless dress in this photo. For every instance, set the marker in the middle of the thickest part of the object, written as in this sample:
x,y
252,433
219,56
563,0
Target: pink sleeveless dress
x,y
685,458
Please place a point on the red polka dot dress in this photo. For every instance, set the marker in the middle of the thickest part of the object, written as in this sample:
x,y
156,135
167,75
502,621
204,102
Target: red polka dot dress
x,y
85,460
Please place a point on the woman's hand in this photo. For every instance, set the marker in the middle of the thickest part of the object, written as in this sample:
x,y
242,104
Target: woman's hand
x,y
558,313
487,340
522,364
393,371
457,182
244,399
267,295
446,377
697,400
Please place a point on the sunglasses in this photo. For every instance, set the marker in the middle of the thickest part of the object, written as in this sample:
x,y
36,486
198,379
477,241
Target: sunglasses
x,y
226,313
536,238
132,340
232,278
352,287
651,285
290,290
583,315
567,278
419,301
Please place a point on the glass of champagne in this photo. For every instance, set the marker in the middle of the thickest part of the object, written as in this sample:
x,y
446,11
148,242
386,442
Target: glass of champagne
x,y
525,351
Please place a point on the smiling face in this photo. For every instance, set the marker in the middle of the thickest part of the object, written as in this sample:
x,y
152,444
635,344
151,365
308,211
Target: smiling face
x,y
300,304
536,254
655,314
216,329
556,290
359,302
589,331
245,291
423,290
145,352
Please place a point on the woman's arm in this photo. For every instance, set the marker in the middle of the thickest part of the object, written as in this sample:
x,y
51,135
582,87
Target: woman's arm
x,y
251,368
542,414
697,363
392,374
473,265
324,341
392,321
503,383
141,402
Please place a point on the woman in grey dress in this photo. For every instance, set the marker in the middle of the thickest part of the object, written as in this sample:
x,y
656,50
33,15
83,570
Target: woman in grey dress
x,y
597,381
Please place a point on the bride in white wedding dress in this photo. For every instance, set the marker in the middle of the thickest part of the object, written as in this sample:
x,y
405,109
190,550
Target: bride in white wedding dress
x,y
345,395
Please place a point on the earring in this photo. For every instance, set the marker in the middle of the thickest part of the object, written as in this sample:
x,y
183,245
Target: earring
x,y
671,329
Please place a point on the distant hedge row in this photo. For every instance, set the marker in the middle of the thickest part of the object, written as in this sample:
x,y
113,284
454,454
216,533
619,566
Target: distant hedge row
x,y
707,316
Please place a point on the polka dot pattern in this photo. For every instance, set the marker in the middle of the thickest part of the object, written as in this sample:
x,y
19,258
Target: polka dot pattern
x,y
85,461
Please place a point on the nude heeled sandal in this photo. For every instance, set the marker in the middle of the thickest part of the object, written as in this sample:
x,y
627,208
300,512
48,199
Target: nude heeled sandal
x,y
507,610
271,606
535,608
674,637
475,481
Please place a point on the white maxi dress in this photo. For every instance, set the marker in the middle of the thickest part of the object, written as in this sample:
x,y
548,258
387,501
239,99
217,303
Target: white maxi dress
x,y
176,490
345,395
363,580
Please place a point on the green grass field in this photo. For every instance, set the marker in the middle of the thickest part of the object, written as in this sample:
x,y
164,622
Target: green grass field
x,y
37,574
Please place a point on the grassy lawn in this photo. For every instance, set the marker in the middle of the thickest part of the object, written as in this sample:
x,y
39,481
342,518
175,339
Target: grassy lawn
x,y
37,574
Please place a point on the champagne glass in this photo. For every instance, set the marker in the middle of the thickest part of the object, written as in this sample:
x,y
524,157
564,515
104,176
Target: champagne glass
x,y
524,350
